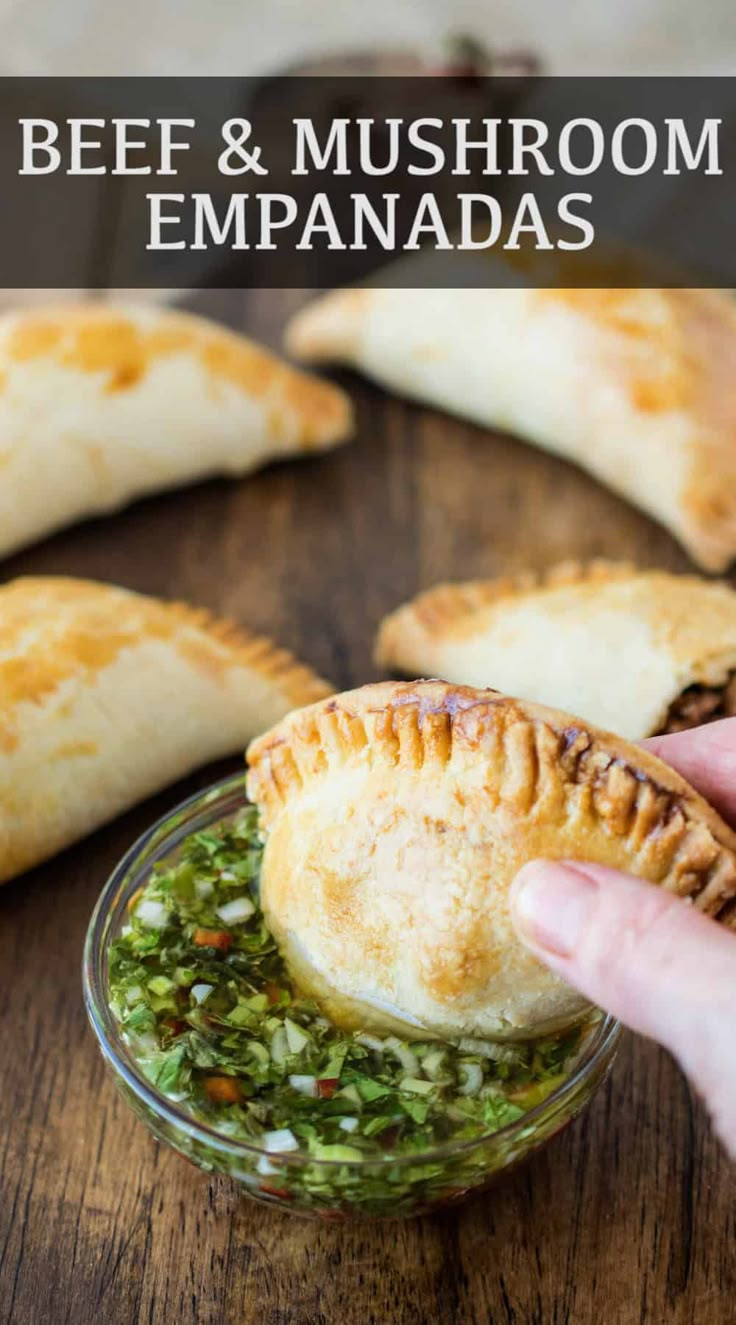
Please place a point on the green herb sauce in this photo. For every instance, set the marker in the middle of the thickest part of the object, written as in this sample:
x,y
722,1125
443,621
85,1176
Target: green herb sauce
x,y
211,1017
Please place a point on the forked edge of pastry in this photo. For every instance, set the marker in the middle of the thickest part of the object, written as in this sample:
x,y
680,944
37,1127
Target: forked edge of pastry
x,y
433,610
415,723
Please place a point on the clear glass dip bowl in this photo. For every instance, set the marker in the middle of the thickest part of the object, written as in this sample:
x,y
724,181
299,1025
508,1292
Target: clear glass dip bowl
x,y
386,1187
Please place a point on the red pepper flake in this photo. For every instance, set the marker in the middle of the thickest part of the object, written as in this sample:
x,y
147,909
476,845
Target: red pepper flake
x,y
326,1087
279,1192
223,1090
273,993
213,938
175,1025
389,1136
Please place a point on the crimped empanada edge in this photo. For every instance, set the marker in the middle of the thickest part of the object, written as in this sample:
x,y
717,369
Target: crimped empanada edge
x,y
437,610
296,680
415,726
277,666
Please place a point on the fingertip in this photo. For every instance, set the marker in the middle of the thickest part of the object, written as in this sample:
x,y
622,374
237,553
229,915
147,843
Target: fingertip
x,y
551,904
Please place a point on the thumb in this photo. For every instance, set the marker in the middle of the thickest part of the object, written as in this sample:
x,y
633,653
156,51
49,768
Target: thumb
x,y
663,968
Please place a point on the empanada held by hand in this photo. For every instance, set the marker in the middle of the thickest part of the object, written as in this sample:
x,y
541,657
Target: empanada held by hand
x,y
106,696
635,386
635,651
99,405
397,816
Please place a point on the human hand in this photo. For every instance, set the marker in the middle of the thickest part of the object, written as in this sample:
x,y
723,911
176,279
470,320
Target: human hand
x,y
662,967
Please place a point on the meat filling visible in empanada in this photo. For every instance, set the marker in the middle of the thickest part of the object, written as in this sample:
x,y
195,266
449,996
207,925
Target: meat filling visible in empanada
x,y
699,704
639,652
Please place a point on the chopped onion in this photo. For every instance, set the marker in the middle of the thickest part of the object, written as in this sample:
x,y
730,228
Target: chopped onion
x,y
234,912
279,1046
200,992
434,1063
133,995
499,1053
370,1042
471,1078
296,1037
348,1124
304,1084
416,1086
265,1166
151,913
203,888
406,1057
280,1141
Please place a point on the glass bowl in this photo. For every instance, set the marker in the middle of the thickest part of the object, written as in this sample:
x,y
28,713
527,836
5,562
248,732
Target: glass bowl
x,y
389,1186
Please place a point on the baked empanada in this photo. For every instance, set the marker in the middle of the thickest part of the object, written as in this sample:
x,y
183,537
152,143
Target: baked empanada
x,y
635,386
637,652
106,696
397,816
99,405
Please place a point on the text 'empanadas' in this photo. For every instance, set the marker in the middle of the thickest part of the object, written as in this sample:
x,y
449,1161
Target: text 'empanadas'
x,y
106,696
637,652
635,386
397,817
100,405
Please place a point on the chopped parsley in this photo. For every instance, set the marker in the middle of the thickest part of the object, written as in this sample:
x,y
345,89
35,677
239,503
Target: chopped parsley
x,y
211,1017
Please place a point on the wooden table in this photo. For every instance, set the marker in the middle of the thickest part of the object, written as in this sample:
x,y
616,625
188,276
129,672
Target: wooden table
x,y
630,1215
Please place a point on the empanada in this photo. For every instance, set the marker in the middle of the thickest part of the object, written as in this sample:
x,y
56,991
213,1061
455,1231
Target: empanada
x,y
397,816
635,386
106,696
636,652
99,405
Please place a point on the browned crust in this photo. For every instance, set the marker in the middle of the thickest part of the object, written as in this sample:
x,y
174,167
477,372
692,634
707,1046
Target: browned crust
x,y
120,347
535,756
296,680
438,608
93,630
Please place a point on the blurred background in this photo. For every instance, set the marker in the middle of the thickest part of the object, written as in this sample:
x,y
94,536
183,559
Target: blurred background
x,y
263,36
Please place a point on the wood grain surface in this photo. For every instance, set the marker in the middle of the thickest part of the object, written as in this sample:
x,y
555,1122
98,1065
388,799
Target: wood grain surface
x,y
630,1216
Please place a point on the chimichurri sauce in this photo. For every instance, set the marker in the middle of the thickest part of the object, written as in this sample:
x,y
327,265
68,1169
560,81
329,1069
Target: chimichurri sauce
x,y
210,1015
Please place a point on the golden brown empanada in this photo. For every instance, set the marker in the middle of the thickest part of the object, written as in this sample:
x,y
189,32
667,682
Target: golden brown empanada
x,y
635,386
99,405
398,815
106,696
634,651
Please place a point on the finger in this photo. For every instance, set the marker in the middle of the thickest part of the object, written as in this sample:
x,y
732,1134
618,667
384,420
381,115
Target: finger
x,y
706,757
649,958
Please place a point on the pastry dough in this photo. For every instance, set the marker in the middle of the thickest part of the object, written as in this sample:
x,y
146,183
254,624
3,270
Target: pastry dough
x,y
635,386
106,696
100,405
397,816
616,645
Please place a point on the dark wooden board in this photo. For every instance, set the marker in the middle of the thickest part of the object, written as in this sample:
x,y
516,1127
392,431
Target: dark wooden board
x,y
629,1216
